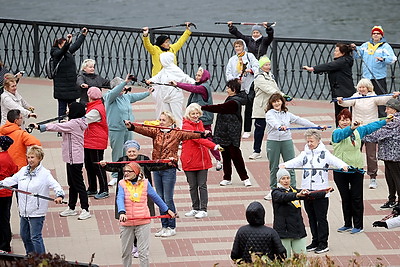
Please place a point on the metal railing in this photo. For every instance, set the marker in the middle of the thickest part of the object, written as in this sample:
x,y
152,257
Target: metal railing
x,y
25,45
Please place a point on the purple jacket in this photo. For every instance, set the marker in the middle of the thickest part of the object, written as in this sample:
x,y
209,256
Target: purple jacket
x,y
72,145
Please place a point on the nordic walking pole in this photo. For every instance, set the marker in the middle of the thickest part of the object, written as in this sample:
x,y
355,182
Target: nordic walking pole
x,y
306,128
174,26
361,97
269,24
30,193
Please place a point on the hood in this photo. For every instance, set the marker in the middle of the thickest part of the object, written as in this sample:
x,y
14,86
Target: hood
x,y
167,59
205,77
8,128
193,123
255,214
244,44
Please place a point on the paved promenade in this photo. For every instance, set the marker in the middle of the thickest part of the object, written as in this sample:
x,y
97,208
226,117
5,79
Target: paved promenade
x,y
198,242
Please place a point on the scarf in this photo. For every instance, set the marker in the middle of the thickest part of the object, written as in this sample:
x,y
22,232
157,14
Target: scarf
x,y
372,48
239,66
135,190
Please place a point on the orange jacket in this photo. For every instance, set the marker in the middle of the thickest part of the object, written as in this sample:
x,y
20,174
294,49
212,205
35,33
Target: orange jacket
x,y
22,140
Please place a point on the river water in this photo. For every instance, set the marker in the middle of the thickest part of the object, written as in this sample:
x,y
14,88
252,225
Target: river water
x,y
327,19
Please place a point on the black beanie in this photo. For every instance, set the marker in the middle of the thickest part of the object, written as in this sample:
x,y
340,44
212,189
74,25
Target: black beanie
x,y
76,110
5,142
161,39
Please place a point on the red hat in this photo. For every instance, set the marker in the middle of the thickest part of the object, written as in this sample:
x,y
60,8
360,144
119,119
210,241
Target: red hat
x,y
135,167
377,28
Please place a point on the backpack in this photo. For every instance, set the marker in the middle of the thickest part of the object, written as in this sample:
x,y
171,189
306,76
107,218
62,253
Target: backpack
x,y
50,69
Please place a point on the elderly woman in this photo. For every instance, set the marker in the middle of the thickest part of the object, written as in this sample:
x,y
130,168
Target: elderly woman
x,y
118,103
346,141
313,159
340,73
11,99
88,78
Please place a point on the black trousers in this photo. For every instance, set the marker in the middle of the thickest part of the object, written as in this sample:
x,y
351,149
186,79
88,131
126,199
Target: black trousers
x,y
317,211
233,154
5,227
76,186
350,187
379,91
392,175
95,171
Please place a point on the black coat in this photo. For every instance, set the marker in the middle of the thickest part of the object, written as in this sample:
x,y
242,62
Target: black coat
x,y
65,78
257,48
92,80
288,221
340,75
256,237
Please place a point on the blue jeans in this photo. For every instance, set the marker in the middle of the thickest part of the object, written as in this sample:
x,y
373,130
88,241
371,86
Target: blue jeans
x,y
31,234
164,182
259,125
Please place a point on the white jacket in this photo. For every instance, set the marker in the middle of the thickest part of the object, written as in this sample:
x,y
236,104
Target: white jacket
x,y
365,110
319,157
248,78
39,181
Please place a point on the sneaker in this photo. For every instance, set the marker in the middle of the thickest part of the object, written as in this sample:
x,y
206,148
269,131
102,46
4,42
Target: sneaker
x,y
388,205
356,231
246,135
91,193
311,247
225,182
169,232
321,249
373,184
201,214
191,213
160,232
84,215
218,167
112,182
344,229
3,252
247,182
255,155
68,212
135,252
102,195
268,196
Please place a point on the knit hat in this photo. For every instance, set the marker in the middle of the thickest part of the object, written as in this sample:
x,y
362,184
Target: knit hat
x,y
131,143
135,167
161,39
393,103
5,142
76,110
94,93
257,28
377,28
281,173
263,60
116,81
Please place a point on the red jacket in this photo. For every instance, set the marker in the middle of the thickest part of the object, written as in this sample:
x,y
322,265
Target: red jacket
x,y
195,155
96,135
7,169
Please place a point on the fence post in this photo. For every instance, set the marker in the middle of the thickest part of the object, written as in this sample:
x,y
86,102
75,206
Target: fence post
x,y
36,58
275,60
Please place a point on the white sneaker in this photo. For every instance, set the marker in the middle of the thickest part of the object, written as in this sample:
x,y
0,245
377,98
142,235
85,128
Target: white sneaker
x,y
247,182
84,215
218,167
201,214
112,182
246,135
225,182
169,232
68,212
373,184
135,252
161,232
255,156
269,196
191,213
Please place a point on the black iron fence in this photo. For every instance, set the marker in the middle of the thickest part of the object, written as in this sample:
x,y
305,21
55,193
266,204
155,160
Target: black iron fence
x,y
25,45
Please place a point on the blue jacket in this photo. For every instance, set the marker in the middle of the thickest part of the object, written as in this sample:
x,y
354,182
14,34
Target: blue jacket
x,y
378,68
119,108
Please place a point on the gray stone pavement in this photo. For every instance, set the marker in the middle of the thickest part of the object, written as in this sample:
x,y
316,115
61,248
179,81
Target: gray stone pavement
x,y
206,241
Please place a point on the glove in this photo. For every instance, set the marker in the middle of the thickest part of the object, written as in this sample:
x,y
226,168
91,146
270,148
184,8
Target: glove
x,y
287,98
219,148
380,224
205,135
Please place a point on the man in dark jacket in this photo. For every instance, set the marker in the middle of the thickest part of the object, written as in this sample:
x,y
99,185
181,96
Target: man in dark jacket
x,y
256,237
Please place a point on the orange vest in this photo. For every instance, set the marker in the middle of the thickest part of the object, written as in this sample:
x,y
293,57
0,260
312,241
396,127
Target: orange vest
x,y
136,209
